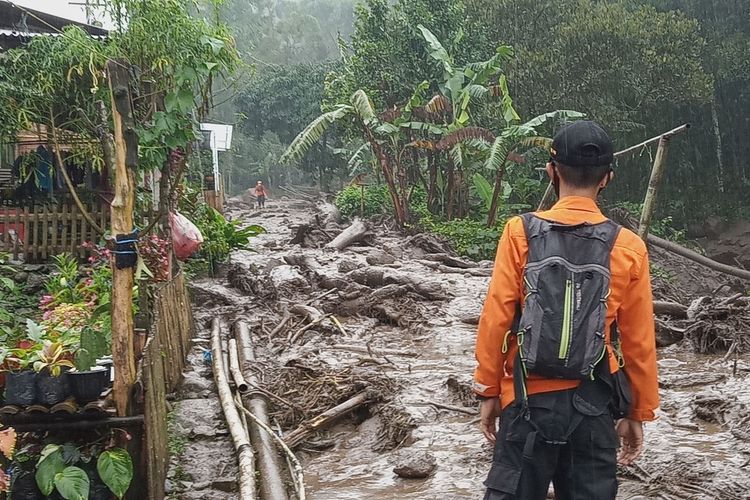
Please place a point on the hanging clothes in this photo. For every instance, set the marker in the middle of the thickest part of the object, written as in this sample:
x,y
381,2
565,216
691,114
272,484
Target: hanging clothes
x,y
43,170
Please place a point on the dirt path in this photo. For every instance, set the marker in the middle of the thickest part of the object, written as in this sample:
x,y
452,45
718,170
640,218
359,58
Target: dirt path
x,y
430,320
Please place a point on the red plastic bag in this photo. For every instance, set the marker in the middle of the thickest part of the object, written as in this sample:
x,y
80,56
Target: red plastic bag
x,y
186,237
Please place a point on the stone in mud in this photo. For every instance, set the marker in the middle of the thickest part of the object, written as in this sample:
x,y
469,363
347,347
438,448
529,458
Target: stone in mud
x,y
225,484
194,385
347,265
287,281
199,418
35,281
377,257
418,465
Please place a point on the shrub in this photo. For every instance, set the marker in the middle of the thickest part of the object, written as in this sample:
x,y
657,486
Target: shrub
x,y
354,201
221,236
469,238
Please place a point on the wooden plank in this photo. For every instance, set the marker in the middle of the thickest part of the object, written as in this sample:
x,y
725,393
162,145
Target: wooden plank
x,y
5,219
74,242
17,242
45,232
34,257
85,232
156,418
61,226
55,225
27,230
103,217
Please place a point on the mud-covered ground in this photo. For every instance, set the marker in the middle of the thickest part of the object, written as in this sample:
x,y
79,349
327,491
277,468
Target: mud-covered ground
x,y
406,312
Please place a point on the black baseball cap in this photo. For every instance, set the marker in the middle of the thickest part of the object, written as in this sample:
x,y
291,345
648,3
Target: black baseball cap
x,y
582,144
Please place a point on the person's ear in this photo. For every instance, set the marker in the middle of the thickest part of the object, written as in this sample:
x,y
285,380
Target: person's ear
x,y
606,179
550,169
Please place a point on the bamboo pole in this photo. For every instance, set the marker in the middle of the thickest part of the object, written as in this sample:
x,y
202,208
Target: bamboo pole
x,y
234,367
239,437
654,183
256,404
122,223
310,427
545,202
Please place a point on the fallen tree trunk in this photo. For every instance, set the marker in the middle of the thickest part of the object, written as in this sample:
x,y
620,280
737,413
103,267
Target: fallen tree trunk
x,y
374,277
269,466
352,234
674,309
624,218
309,427
696,257
245,455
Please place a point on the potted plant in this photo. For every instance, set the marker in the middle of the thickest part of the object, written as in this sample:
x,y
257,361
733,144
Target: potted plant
x,y
20,378
88,379
52,366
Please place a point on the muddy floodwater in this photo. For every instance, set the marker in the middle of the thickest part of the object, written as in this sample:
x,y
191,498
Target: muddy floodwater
x,y
698,447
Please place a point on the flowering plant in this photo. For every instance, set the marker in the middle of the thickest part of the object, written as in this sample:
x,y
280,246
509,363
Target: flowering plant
x,y
155,254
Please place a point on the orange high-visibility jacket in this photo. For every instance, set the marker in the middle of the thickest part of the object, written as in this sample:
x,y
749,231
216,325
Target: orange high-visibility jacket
x,y
630,303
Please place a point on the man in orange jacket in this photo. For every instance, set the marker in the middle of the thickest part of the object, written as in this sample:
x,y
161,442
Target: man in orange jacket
x,y
549,433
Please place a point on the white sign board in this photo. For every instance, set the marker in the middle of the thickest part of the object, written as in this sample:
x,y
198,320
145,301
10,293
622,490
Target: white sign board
x,y
221,135
220,140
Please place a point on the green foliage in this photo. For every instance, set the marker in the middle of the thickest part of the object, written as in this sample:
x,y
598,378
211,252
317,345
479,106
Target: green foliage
x,y
221,236
58,81
60,468
661,227
115,467
15,303
468,237
52,473
351,203
483,189
388,55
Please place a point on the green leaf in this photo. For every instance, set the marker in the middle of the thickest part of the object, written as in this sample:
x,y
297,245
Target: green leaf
x,y
313,132
34,331
437,51
185,100
363,106
170,102
215,44
50,464
72,483
559,115
115,467
483,189
8,283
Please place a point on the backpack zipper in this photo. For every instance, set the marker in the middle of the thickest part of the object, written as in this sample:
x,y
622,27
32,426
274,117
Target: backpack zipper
x,y
567,322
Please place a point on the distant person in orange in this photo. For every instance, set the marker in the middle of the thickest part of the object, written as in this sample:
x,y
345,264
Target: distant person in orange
x,y
260,194
565,347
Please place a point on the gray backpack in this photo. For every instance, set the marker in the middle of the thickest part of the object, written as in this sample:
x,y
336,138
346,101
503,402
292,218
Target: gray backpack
x,y
567,279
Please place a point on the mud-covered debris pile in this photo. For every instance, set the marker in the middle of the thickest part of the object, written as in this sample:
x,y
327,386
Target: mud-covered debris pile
x,y
311,387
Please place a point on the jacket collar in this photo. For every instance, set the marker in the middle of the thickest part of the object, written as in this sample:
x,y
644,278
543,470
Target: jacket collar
x,y
579,203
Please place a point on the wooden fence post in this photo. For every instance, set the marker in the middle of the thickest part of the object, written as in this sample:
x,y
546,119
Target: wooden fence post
x,y
121,215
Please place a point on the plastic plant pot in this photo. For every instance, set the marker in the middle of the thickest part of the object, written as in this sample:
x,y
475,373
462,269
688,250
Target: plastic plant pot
x,y
51,390
20,388
88,386
23,485
108,364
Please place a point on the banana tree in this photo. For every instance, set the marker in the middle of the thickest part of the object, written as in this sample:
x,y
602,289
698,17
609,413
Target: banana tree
x,y
503,149
461,87
385,141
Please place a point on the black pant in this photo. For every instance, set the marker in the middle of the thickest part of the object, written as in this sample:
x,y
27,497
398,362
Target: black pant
x,y
583,468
